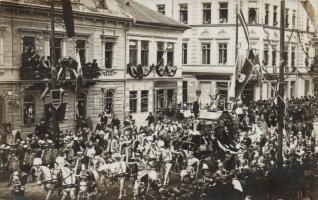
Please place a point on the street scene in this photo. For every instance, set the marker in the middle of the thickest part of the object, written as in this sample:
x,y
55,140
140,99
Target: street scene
x,y
159,99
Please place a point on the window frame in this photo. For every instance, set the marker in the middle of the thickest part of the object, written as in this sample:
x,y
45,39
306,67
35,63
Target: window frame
x,y
267,13
274,56
161,11
170,53
160,52
206,13
109,51
294,18
184,53
293,56
34,109
82,50
108,97
266,55
84,99
206,53
183,13
275,15
255,21
223,53
224,9
133,101
134,51
144,100
286,17
144,53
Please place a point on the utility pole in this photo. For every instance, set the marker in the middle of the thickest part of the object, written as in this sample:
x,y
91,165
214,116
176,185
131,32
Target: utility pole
x,y
281,105
53,68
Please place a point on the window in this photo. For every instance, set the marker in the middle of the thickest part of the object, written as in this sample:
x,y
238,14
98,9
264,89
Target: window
x,y
184,53
133,101
184,13
185,91
160,51
307,57
144,100
206,13
275,16
266,14
133,52
307,25
222,53
266,55
144,53
58,49
252,15
108,55
274,56
28,50
28,43
29,109
287,18
81,106
293,89
286,55
222,88
294,19
206,53
272,90
170,54
293,56
81,47
161,9
108,100
223,18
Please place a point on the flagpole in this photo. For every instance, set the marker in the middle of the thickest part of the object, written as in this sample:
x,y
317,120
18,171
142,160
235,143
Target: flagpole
x,y
53,68
281,106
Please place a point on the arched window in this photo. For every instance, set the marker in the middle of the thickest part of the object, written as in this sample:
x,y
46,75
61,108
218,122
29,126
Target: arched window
x,y
81,105
29,109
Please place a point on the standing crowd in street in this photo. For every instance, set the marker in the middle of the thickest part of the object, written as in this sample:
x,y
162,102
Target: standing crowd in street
x,y
174,157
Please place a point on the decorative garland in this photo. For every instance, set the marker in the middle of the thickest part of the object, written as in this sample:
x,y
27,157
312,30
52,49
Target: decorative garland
x,y
139,71
167,70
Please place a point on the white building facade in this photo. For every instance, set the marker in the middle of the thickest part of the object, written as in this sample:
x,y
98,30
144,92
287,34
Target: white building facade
x,y
208,48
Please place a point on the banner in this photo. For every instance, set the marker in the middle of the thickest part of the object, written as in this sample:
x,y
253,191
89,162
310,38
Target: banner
x,y
68,18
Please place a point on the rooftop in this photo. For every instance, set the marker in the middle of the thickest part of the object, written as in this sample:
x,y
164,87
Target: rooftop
x,y
146,16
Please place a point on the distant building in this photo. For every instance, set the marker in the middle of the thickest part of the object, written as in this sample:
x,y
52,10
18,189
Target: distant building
x,y
104,32
208,48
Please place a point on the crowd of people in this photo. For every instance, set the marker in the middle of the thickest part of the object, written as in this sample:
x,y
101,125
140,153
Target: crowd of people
x,y
175,157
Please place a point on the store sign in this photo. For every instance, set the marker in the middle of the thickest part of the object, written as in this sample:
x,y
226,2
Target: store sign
x,y
56,98
165,84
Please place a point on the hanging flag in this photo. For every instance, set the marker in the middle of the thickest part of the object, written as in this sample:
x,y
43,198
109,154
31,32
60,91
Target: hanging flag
x,y
238,66
242,20
79,65
46,89
244,75
68,18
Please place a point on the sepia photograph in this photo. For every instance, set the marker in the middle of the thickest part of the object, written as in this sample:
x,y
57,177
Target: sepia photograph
x,y
158,99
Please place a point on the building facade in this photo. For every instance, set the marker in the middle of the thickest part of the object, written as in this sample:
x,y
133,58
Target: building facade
x,y
208,48
105,32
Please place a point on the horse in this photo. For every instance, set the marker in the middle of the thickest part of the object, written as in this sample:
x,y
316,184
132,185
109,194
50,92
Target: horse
x,y
44,177
68,180
115,170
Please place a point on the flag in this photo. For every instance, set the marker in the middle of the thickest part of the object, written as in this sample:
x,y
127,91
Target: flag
x,y
79,65
68,18
242,20
46,89
244,74
238,66
311,8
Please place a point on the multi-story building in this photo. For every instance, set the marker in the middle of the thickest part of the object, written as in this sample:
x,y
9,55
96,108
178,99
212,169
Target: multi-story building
x,y
208,48
104,29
